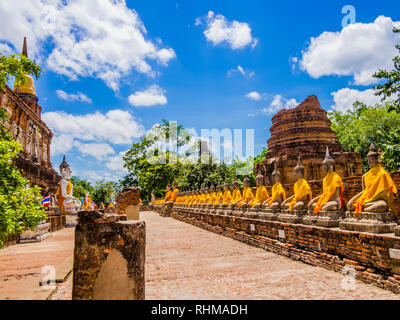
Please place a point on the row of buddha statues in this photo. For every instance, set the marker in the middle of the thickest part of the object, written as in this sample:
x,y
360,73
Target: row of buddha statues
x,y
375,198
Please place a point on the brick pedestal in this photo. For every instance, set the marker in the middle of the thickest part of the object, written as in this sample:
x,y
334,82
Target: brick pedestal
x,y
128,203
368,222
109,258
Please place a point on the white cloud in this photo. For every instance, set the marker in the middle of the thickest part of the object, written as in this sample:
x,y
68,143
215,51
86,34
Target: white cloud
x,y
242,71
219,29
116,163
278,103
150,97
88,38
97,150
115,126
5,49
61,144
254,95
359,50
79,96
345,98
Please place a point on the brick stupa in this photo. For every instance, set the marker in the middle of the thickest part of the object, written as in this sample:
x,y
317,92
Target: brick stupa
x,y
305,130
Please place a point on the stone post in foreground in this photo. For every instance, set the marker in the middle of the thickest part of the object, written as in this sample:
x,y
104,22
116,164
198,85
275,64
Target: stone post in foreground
x,y
128,202
109,258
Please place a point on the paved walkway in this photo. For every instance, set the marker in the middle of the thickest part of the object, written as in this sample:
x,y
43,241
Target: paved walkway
x,y
22,265
186,262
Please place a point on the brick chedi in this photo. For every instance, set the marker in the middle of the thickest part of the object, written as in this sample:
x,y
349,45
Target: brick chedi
x,y
305,130
27,128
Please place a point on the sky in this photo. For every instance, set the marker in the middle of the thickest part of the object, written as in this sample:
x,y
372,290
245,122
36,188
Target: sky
x,y
114,68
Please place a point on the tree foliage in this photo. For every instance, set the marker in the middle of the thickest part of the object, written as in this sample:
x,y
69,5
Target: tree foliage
x,y
152,167
20,204
362,125
16,66
99,192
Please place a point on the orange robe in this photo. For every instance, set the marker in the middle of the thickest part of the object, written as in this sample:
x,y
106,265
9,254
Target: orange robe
x,y
174,194
261,196
236,196
218,198
332,181
301,189
376,181
248,196
168,196
60,197
277,190
227,197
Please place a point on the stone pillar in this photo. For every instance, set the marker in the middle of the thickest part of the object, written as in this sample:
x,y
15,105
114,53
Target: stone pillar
x,y
109,258
128,202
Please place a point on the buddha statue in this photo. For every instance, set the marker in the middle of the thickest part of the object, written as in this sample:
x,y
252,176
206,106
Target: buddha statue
x,y
236,195
168,193
261,193
219,197
206,195
87,202
278,193
378,188
302,191
211,196
174,192
331,198
66,202
247,194
227,196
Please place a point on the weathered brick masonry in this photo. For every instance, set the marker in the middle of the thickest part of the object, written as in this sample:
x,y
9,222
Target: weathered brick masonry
x,y
109,257
329,248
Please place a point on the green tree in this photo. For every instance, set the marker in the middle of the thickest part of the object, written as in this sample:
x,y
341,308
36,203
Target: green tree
x,y
359,127
102,191
20,207
81,186
261,157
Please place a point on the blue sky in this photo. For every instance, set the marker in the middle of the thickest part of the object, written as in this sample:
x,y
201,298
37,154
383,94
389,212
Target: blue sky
x,y
112,69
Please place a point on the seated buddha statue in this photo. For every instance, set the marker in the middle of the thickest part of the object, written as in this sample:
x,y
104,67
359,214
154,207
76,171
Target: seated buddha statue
x,y
206,195
227,195
331,198
67,203
302,191
211,197
87,202
248,195
168,193
236,195
219,196
261,193
378,188
278,193
174,192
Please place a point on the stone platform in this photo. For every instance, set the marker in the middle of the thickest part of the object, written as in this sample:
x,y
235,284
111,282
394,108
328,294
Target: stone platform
x,y
369,222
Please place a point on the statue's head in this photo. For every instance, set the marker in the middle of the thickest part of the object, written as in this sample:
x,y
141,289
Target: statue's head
x,y
87,194
276,175
168,187
235,184
372,156
246,182
299,169
206,189
65,170
260,179
175,185
212,188
328,162
226,186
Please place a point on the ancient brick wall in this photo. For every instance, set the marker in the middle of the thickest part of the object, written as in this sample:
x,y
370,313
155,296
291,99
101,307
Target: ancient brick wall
x,y
109,258
333,249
